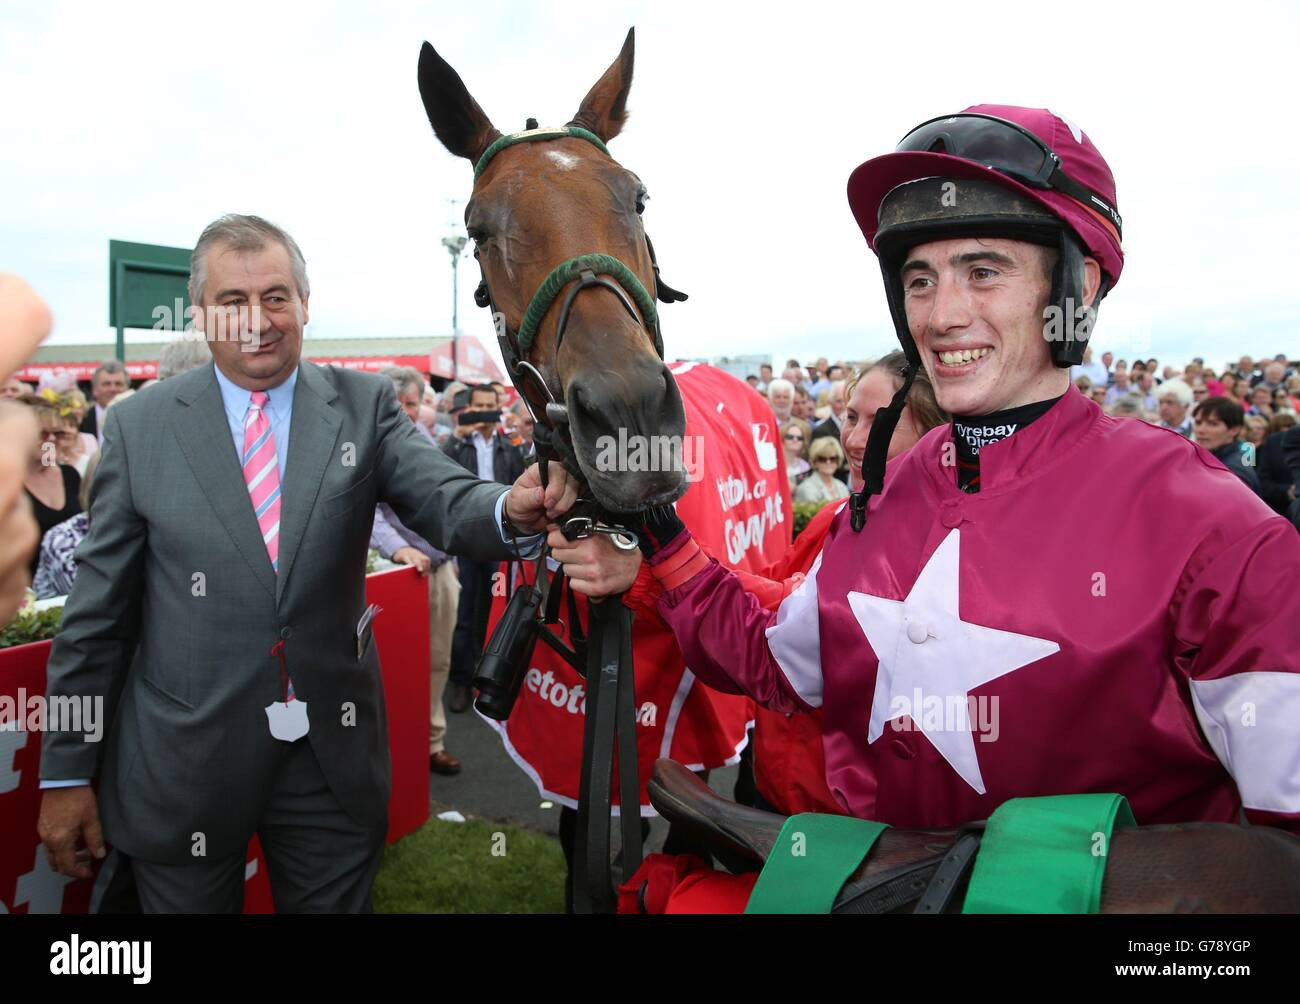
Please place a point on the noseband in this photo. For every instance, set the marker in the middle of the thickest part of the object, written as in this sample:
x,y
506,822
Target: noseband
x,y
590,270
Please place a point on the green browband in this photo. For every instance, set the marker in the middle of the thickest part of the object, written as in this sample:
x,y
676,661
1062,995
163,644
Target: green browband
x,y
529,135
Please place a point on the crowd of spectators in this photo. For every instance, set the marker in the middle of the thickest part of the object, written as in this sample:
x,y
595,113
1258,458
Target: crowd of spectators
x,y
1241,412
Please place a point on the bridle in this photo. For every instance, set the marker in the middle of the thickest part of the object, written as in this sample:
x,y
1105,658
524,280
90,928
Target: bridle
x,y
551,434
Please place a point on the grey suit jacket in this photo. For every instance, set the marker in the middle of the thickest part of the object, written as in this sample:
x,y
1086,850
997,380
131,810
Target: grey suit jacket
x,y
175,609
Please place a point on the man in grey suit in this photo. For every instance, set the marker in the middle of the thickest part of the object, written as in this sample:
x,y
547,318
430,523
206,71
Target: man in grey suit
x,y
226,638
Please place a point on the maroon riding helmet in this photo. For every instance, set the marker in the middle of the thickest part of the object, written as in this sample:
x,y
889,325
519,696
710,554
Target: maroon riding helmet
x,y
988,171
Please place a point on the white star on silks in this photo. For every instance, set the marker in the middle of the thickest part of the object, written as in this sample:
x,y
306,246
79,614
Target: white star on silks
x,y
924,647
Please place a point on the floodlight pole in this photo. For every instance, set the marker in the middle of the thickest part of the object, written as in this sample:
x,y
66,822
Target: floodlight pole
x,y
455,245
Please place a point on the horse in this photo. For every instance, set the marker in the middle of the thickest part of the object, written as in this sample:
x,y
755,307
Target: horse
x,y
573,282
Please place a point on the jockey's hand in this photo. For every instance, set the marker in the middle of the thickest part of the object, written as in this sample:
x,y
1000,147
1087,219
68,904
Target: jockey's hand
x,y
657,529
595,567
530,508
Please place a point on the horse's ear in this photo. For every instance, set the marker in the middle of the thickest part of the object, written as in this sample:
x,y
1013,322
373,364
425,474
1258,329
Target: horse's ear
x,y
604,109
456,118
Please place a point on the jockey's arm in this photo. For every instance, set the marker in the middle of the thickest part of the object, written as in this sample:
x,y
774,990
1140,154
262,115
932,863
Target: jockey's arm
x,y
1236,639
721,621
732,640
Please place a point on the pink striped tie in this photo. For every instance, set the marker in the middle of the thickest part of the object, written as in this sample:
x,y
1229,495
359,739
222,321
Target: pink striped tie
x,y
262,475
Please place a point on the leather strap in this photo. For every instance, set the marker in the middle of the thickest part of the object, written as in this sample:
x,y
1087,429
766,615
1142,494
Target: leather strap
x,y
947,878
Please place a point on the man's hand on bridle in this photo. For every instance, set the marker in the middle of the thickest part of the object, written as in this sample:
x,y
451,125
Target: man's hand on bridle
x,y
530,508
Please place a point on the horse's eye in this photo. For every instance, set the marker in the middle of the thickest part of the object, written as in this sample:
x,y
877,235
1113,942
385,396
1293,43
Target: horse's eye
x,y
642,197
476,234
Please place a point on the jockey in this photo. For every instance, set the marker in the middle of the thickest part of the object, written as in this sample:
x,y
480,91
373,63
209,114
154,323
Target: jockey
x,y
1036,598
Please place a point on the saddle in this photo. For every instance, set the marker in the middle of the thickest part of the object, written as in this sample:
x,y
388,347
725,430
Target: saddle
x,y
1179,868
921,871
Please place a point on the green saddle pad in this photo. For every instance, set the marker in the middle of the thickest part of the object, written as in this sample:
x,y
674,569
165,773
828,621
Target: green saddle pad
x,y
1046,855
813,857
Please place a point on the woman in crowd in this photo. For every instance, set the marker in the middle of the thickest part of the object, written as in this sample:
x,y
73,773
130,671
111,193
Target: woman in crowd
x,y
75,447
794,440
1229,383
1256,429
1217,426
56,569
1261,402
51,486
822,485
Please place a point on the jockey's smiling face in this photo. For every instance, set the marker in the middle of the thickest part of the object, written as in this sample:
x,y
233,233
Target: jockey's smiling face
x,y
975,309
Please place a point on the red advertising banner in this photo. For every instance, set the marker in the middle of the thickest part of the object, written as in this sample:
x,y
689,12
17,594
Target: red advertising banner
x,y
738,507
29,885
148,369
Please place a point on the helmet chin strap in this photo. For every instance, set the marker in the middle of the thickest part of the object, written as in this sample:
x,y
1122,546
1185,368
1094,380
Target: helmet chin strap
x,y
877,452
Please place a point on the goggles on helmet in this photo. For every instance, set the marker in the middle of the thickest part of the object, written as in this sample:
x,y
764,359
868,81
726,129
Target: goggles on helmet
x,y
1006,147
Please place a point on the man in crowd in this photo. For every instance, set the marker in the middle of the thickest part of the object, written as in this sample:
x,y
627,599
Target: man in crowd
x,y
478,446
780,395
764,378
1096,372
1120,387
220,595
181,355
108,381
803,405
1146,389
1273,377
1174,401
833,424
394,541
795,374
821,380
522,421
13,388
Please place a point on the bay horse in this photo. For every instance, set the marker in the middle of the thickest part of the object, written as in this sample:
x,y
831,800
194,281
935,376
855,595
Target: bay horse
x,y
573,283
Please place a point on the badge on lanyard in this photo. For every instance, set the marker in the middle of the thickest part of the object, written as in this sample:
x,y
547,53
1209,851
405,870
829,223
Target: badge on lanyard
x,y
287,718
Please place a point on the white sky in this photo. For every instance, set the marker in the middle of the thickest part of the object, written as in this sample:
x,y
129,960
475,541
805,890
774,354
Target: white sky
x,y
143,122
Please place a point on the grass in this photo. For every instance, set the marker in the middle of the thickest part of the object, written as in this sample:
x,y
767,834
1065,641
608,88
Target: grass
x,y
472,867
